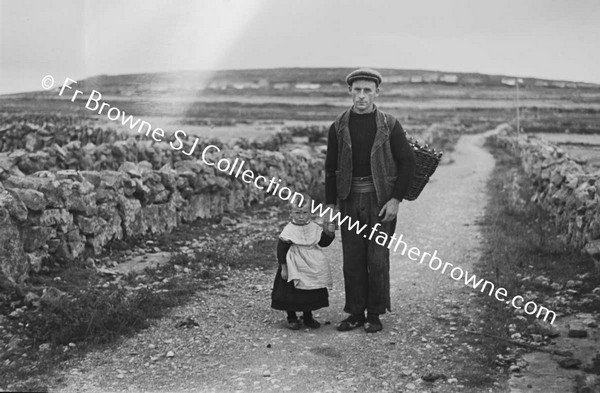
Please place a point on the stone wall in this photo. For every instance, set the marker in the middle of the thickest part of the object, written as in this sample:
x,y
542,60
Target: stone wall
x,y
563,188
67,213
90,157
33,132
31,143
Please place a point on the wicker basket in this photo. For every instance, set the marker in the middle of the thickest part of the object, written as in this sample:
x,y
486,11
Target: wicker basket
x,y
426,164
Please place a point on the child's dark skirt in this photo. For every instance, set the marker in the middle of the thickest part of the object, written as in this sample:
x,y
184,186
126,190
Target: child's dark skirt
x,y
287,297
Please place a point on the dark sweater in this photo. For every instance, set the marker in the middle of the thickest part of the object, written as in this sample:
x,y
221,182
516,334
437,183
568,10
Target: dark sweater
x,y
363,128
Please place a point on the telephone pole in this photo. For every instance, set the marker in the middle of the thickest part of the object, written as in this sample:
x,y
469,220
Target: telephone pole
x,y
518,105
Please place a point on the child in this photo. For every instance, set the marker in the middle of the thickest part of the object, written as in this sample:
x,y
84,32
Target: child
x,y
303,276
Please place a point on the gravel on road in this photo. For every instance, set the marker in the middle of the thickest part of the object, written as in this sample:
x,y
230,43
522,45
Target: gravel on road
x,y
243,345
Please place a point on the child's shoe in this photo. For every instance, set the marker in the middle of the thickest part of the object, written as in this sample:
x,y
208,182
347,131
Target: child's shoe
x,y
312,323
293,324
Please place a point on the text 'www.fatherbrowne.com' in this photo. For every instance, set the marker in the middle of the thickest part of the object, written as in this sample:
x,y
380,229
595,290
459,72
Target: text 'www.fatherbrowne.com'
x,y
395,242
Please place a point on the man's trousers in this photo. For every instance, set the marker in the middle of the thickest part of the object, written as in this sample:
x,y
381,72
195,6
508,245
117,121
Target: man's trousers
x,y
366,263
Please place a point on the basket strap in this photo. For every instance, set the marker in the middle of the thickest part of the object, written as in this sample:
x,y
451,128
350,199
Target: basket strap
x,y
391,122
388,121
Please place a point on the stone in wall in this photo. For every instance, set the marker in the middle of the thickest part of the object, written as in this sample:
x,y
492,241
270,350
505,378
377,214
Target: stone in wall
x,y
24,182
94,178
53,192
160,218
90,225
112,180
105,230
13,262
131,169
60,218
158,192
33,200
36,237
132,218
82,204
198,206
168,177
14,206
78,196
71,245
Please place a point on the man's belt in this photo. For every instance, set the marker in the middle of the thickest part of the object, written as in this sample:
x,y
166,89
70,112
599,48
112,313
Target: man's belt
x,y
362,185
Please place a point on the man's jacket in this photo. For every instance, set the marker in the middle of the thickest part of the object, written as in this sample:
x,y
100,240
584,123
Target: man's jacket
x,y
384,168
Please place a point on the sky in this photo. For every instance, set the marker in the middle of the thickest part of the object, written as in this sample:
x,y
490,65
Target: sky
x,y
81,38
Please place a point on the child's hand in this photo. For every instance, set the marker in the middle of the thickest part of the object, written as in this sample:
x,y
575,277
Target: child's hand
x,y
284,272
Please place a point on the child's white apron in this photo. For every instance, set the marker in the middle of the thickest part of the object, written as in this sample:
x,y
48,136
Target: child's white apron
x,y
307,266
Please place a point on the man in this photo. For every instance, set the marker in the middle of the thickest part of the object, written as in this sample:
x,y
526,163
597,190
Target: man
x,y
368,167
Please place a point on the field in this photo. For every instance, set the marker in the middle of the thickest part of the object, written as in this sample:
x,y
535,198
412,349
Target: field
x,y
265,114
584,148
60,134
258,113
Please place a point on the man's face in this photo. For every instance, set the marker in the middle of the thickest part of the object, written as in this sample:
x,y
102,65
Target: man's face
x,y
300,215
363,94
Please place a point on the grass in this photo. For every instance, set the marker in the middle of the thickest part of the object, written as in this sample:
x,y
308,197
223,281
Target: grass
x,y
521,243
518,242
97,311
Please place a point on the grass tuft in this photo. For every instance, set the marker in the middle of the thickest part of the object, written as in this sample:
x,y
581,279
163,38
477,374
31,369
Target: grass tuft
x,y
92,310
522,243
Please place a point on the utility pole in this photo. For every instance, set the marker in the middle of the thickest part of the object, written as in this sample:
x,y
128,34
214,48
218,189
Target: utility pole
x,y
518,115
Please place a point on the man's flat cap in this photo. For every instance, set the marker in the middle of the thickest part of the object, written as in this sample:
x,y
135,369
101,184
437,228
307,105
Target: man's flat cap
x,y
364,73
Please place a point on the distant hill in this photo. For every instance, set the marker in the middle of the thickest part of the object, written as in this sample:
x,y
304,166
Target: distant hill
x,y
300,82
281,94
298,79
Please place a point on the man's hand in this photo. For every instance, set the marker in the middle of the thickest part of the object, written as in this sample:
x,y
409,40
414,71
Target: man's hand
x,y
328,228
389,210
326,220
284,272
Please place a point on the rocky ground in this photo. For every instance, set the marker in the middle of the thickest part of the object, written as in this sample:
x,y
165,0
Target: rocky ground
x,y
576,342
239,343
226,337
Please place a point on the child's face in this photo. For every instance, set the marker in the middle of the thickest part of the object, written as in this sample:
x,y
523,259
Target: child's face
x,y
300,215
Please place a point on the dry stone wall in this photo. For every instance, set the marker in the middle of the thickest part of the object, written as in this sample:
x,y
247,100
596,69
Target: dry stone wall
x,y
31,143
58,202
562,187
33,132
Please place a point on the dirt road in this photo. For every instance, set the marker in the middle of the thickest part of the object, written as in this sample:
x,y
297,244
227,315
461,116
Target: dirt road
x,y
242,345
